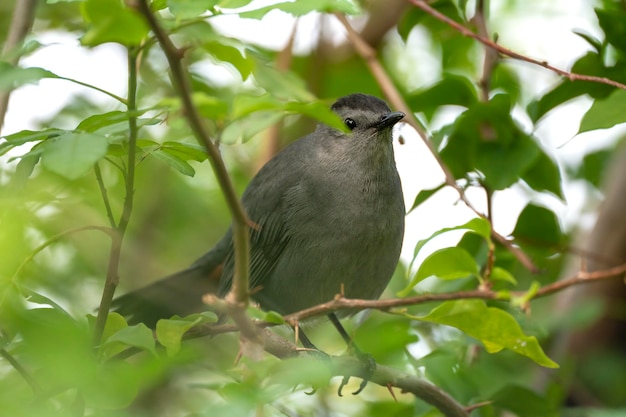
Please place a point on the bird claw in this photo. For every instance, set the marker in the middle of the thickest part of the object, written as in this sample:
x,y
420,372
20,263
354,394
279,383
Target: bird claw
x,y
368,368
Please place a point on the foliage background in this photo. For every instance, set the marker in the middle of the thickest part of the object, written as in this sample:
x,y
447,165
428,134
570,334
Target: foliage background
x,y
540,190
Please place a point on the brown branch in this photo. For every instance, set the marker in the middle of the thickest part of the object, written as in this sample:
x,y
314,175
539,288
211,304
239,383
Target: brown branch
x,y
490,61
182,84
393,95
572,76
21,23
383,376
340,303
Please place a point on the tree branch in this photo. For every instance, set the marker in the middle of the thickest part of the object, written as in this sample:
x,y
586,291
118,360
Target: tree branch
x,y
340,303
572,76
383,375
21,22
395,98
181,82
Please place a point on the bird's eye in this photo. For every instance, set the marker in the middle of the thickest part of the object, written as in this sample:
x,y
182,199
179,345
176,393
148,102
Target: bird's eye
x,y
350,123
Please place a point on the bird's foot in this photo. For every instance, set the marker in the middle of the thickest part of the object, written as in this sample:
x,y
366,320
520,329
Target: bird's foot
x,y
368,366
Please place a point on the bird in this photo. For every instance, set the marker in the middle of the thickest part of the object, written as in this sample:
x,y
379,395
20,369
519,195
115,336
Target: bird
x,y
328,215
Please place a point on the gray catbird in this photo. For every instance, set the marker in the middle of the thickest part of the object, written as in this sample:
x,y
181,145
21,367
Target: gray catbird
x,y
329,216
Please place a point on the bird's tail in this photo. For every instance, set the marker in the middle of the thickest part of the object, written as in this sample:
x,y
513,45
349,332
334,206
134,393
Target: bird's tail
x,y
177,294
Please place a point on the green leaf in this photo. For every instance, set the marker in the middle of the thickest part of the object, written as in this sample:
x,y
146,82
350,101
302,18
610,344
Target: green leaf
x,y
185,151
285,85
244,129
495,328
170,332
590,64
424,195
501,274
613,23
71,155
300,8
524,402
12,77
186,9
452,90
174,161
245,104
477,225
503,165
539,226
233,4
544,175
139,336
593,167
113,122
231,55
317,110
446,263
25,136
605,113
111,21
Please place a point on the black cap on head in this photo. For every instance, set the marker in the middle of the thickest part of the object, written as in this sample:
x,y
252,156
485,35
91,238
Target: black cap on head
x,y
361,102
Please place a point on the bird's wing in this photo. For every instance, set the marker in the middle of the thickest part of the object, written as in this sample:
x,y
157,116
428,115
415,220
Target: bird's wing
x,y
265,201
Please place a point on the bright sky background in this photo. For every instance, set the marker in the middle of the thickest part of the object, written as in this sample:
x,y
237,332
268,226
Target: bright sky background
x,y
543,30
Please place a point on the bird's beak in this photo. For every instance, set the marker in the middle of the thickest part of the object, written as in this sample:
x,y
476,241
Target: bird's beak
x,y
390,120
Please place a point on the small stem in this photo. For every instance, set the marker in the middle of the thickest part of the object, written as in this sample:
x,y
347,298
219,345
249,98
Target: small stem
x,y
37,391
105,195
115,253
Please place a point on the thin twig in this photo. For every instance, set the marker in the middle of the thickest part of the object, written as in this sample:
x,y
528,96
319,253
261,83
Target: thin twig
x,y
340,303
393,95
22,371
105,195
572,76
112,278
53,239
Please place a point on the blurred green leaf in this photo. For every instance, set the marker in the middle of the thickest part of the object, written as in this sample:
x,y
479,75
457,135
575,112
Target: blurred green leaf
x,y
139,336
424,195
185,151
495,328
539,226
613,22
169,332
593,168
26,136
111,21
317,110
284,85
605,113
590,64
452,90
300,8
71,155
524,402
504,165
501,274
244,129
544,175
231,55
12,77
174,161
186,9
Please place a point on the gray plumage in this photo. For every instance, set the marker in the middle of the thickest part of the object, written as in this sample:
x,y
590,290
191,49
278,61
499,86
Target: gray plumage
x,y
330,212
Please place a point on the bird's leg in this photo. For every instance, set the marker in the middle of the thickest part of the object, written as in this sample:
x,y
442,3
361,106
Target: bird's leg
x,y
369,364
